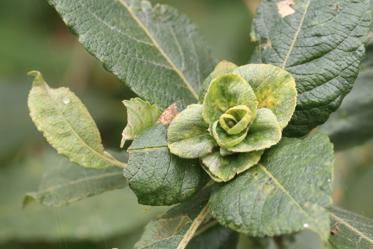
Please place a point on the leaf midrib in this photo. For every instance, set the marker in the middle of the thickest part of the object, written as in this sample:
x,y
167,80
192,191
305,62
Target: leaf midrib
x,y
156,44
75,133
263,168
351,228
81,180
296,34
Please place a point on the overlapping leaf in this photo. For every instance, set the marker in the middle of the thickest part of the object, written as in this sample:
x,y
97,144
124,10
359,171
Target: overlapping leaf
x,y
158,177
286,192
321,44
141,115
156,51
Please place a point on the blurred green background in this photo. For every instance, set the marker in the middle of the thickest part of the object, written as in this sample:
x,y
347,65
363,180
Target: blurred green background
x,y
32,36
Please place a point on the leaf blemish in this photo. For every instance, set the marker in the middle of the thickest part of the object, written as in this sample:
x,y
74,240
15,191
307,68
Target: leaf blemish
x,y
285,7
168,115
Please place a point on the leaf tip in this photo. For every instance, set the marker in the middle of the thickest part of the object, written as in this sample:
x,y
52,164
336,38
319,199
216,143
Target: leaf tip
x,y
28,199
38,78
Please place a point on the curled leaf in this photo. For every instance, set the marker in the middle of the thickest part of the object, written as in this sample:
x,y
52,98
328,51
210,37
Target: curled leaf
x,y
224,168
188,135
141,115
263,133
274,89
226,92
220,69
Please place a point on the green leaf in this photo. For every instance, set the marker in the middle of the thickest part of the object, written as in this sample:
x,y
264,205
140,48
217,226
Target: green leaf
x,y
67,125
263,133
274,89
350,230
215,237
225,168
64,182
220,69
351,124
156,51
158,177
321,44
188,135
224,92
141,115
286,192
95,218
174,227
225,140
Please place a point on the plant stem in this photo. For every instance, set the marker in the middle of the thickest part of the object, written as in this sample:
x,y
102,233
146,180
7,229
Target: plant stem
x,y
193,227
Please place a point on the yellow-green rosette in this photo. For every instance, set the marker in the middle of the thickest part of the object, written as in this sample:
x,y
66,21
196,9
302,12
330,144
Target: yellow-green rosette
x,y
243,112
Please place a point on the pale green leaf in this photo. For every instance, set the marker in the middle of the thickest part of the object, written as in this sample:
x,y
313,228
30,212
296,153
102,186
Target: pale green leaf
x,y
221,68
158,177
225,168
263,133
349,230
156,51
141,115
225,140
321,44
96,218
288,191
188,135
274,89
225,92
63,182
67,125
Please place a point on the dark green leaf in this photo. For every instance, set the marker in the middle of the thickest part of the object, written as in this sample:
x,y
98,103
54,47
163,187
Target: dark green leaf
x,y
352,124
169,230
154,50
349,230
64,182
321,44
286,192
216,237
158,177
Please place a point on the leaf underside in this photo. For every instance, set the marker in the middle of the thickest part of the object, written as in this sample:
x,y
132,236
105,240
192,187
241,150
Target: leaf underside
x,y
287,192
156,51
321,44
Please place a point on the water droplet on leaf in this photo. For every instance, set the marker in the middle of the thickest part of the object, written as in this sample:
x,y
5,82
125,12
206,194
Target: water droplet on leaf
x,y
66,100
